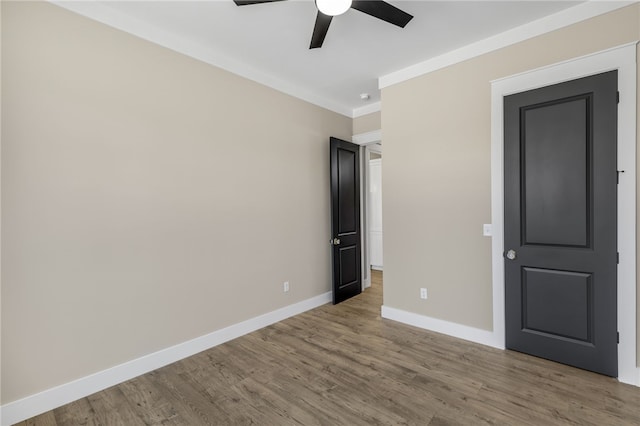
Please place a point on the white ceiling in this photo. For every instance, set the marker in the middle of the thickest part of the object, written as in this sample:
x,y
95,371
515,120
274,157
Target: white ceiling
x,y
269,43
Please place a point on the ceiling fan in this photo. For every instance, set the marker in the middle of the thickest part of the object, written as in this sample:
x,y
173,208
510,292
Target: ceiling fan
x,y
327,9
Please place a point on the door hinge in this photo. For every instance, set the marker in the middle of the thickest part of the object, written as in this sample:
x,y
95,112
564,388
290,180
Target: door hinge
x,y
618,97
618,336
618,258
618,175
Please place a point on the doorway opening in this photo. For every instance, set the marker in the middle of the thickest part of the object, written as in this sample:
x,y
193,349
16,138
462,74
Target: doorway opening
x,y
371,150
374,206
371,213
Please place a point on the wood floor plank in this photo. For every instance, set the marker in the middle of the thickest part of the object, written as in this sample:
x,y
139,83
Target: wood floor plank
x,y
78,412
110,407
46,419
345,365
152,406
191,406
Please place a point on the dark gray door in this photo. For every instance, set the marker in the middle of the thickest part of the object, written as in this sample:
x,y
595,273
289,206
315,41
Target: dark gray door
x,y
560,222
345,219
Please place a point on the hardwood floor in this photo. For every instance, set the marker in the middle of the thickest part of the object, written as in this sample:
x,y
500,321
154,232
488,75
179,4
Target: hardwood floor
x,y
344,365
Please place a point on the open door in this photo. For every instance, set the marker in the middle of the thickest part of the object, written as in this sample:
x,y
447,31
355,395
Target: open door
x,y
345,219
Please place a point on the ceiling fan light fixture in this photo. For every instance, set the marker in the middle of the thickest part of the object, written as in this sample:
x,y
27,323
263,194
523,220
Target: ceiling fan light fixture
x,y
333,7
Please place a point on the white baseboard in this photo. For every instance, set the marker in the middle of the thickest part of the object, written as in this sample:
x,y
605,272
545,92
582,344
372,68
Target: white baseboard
x,y
49,399
376,268
366,283
460,331
633,378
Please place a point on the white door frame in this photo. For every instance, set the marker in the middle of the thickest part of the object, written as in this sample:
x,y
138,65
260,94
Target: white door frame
x,y
623,59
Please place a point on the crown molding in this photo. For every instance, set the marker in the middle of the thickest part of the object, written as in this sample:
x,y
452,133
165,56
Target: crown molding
x,y
564,18
367,109
104,14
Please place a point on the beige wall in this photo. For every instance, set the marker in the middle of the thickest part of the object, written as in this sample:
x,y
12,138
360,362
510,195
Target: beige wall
x,y
148,198
367,123
437,170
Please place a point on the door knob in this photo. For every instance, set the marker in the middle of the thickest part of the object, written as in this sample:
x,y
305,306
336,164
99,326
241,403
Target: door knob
x,y
511,254
335,241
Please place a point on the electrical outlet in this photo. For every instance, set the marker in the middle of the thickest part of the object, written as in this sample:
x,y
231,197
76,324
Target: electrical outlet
x,y
423,293
285,286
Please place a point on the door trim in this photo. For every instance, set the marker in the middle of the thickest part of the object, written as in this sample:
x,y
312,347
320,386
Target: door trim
x,y
367,138
622,58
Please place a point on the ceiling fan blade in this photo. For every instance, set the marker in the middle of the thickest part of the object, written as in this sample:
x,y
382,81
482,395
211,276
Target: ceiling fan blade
x,y
320,30
383,10
248,2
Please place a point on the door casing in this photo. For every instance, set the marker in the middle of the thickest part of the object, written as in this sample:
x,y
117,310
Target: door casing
x,y
623,59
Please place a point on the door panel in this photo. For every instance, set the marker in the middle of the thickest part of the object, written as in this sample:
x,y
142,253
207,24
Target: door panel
x,y
556,202
557,303
349,266
345,219
560,222
347,206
